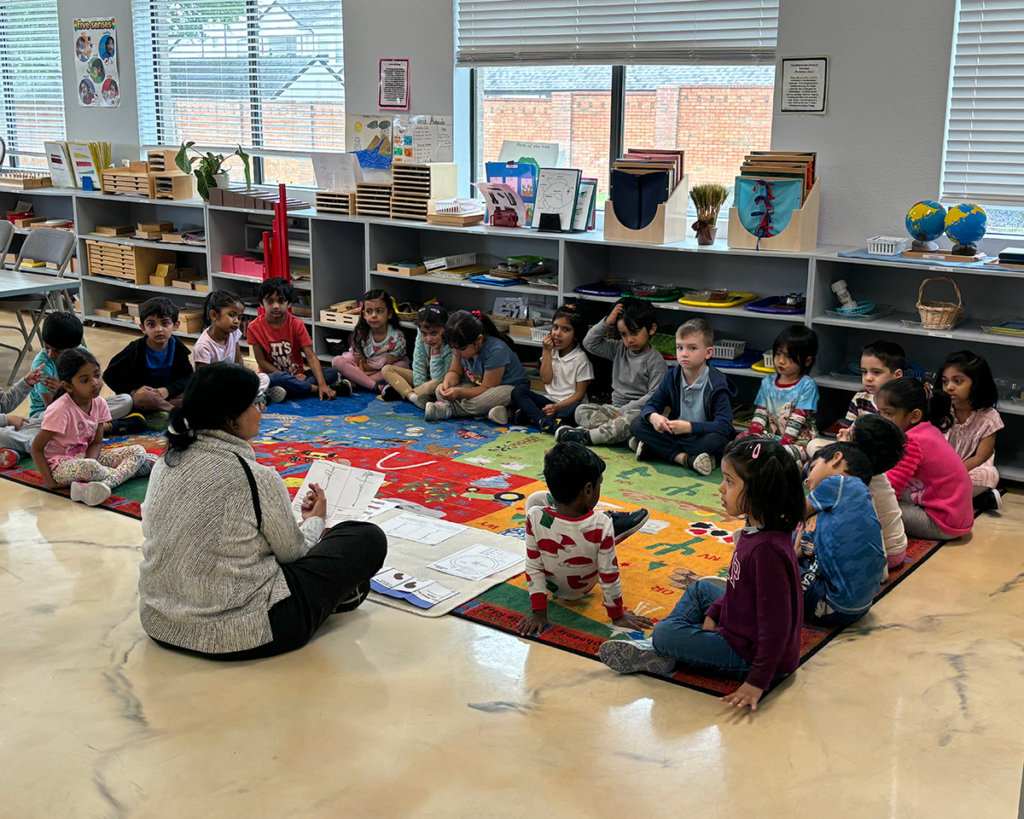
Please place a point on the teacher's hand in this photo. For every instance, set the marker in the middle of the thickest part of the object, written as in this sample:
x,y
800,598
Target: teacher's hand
x,y
314,505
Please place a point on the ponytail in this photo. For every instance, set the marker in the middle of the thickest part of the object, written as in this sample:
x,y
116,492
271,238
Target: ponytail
x,y
216,394
465,327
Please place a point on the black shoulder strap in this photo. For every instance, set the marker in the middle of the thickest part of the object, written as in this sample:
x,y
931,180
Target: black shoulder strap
x,y
255,492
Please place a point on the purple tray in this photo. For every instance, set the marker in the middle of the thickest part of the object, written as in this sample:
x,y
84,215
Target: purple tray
x,y
773,304
598,289
749,357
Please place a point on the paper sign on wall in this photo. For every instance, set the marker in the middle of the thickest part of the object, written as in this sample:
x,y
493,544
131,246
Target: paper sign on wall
x,y
393,86
95,60
423,138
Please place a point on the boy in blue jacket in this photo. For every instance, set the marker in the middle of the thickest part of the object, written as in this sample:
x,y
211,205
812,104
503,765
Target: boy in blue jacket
x,y
699,421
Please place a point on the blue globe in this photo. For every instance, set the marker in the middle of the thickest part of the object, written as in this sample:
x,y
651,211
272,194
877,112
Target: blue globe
x,y
965,224
926,221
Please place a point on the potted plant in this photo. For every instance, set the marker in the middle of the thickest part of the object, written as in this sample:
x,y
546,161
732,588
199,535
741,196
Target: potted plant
x,y
708,200
207,168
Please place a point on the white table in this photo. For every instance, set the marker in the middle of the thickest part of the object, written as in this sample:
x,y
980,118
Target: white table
x,y
14,285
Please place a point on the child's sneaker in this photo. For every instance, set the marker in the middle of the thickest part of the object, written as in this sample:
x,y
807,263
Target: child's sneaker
x,y
988,501
703,464
721,582
389,393
9,458
548,425
342,388
438,410
158,421
91,494
498,415
633,444
521,419
642,453
421,401
627,523
147,467
134,424
572,435
630,656
276,395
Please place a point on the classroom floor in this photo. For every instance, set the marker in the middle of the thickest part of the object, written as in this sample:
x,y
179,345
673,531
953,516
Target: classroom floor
x,y
916,712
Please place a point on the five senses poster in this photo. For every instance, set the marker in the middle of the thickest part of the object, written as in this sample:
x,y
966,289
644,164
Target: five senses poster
x,y
95,60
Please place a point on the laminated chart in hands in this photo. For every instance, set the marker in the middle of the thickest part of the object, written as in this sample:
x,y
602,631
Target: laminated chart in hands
x,y
349,490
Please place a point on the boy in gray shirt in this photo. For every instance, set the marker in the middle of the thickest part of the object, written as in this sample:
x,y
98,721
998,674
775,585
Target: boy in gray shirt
x,y
624,337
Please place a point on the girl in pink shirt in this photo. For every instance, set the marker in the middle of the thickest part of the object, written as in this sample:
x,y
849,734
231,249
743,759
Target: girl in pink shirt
x,y
67,449
931,480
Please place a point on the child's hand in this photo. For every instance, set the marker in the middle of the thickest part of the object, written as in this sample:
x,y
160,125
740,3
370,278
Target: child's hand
x,y
314,505
454,394
15,421
548,342
327,394
35,376
613,316
549,410
709,624
300,375
843,435
660,423
746,694
633,622
533,623
52,384
680,427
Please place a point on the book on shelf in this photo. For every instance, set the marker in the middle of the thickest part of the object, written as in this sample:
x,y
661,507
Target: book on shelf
x,y
659,155
557,192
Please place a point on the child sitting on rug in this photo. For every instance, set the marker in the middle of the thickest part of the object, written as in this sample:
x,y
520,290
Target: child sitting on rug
x,y
431,359
485,370
750,628
280,341
699,421
843,562
624,337
570,548
17,433
786,402
565,370
221,339
67,450
378,342
931,481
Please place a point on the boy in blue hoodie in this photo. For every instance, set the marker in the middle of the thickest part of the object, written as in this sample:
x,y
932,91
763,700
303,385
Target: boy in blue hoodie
x,y
698,423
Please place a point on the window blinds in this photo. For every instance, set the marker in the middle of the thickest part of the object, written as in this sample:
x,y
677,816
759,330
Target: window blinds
x,y
984,156
265,74
534,32
32,103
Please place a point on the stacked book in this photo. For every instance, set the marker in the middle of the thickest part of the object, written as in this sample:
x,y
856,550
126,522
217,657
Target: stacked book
x,y
643,179
771,165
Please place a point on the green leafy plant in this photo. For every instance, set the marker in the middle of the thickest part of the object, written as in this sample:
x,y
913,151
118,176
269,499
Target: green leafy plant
x,y
708,200
206,166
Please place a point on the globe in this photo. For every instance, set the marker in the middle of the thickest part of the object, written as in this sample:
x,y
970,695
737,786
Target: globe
x,y
926,221
965,224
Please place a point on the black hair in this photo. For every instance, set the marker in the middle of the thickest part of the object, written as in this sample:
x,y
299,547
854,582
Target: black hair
x,y
276,286
464,327
573,313
568,468
858,465
362,331
69,363
217,393
62,331
888,352
696,327
907,394
799,343
160,308
983,394
773,492
431,315
219,300
637,314
880,439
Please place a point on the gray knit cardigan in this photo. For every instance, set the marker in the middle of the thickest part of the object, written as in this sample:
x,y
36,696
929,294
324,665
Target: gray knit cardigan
x,y
208,575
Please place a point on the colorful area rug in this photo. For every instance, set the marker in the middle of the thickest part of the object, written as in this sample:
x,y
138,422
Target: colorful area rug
x,y
481,475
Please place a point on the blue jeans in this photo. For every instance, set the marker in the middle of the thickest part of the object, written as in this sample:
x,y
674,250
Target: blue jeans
x,y
531,403
681,635
296,386
816,608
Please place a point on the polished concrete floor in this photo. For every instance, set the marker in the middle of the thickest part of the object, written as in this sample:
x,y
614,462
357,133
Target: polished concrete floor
x,y
916,712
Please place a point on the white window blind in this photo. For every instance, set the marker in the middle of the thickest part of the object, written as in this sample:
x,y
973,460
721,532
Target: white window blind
x,y
984,156
32,103
655,32
265,74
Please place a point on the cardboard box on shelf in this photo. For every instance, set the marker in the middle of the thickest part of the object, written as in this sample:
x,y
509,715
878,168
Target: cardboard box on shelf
x,y
113,230
108,313
134,308
117,306
158,227
191,320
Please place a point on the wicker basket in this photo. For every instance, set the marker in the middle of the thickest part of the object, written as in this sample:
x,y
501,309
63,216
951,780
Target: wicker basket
x,y
407,311
939,315
522,322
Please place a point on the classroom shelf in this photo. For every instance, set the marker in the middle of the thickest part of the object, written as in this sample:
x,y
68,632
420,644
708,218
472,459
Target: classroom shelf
x,y
146,288
967,331
129,325
516,288
113,240
706,312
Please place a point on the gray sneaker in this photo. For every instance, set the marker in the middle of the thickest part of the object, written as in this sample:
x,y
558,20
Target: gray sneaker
x,y
91,494
630,656
438,411
276,395
721,582
703,464
572,435
498,415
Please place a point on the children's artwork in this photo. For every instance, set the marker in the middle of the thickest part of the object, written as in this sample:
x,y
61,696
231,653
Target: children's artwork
x,y
99,85
505,207
336,172
476,562
369,138
585,205
420,529
349,490
541,154
557,191
520,176
421,593
423,138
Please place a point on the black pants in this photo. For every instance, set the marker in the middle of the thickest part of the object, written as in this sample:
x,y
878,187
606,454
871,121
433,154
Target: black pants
x,y
532,403
669,446
332,571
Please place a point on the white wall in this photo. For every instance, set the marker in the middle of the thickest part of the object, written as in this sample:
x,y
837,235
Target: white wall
x,y
880,143
119,126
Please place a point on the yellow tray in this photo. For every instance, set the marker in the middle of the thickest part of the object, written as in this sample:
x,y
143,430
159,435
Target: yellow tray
x,y
735,300
760,368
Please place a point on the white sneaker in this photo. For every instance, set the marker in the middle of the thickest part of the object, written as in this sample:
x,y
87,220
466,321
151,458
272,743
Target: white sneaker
x,y
629,656
633,444
721,582
438,411
498,415
91,494
703,464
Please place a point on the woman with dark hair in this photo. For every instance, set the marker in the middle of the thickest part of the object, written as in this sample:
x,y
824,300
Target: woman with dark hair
x,y
227,572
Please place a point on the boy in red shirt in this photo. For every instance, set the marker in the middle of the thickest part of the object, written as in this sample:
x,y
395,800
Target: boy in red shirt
x,y
279,341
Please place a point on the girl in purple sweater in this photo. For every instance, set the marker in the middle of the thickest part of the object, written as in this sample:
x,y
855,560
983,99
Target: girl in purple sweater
x,y
750,628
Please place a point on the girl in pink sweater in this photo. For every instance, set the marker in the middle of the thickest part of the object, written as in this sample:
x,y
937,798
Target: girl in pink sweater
x,y
931,480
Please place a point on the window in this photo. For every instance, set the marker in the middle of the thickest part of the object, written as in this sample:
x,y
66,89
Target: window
x,y
32,103
264,74
983,162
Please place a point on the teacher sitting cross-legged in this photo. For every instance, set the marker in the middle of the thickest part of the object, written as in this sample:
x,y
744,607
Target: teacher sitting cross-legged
x,y
227,572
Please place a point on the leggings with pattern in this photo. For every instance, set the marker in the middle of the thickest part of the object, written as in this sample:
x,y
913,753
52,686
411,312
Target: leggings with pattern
x,y
113,467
